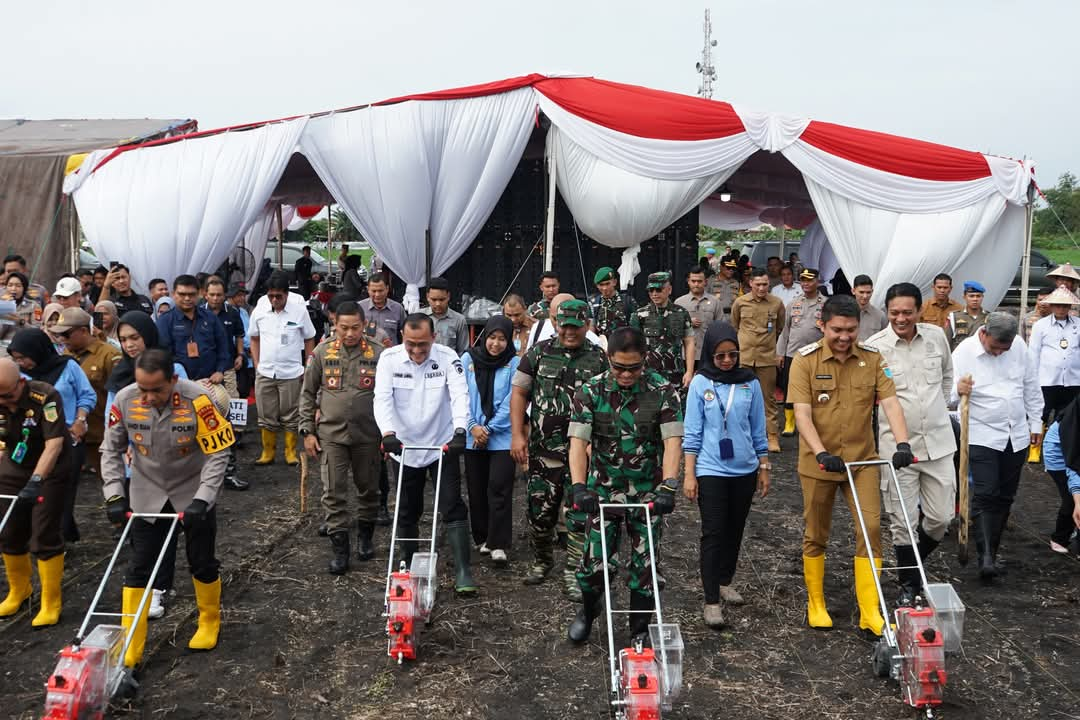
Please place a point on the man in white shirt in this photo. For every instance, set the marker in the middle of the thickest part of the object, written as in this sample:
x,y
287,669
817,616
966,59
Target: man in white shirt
x,y
1054,350
422,399
282,336
993,369
787,290
922,371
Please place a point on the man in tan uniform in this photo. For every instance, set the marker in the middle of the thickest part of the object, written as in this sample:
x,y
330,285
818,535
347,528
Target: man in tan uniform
x,y
703,308
179,442
725,286
834,383
339,384
936,312
758,318
802,326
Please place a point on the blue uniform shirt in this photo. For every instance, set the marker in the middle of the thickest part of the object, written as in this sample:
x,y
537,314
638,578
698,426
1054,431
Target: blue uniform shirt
x,y
176,331
1054,457
75,391
703,427
499,426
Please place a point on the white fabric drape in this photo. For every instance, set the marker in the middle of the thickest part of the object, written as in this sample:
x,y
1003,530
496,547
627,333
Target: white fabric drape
x,y
182,207
980,242
816,252
399,170
255,241
771,131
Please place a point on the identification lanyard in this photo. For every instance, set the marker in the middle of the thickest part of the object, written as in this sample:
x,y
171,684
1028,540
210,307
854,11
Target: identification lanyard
x,y
725,409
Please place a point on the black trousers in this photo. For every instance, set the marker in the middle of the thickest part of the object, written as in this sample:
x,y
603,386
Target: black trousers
x,y
449,502
147,539
996,476
1064,525
34,527
724,503
1055,398
167,572
782,379
71,491
490,475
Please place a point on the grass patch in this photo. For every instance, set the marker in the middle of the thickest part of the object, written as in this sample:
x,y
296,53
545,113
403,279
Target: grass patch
x,y
1061,255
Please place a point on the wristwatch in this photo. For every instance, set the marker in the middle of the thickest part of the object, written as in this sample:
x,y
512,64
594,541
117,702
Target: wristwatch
x,y
764,466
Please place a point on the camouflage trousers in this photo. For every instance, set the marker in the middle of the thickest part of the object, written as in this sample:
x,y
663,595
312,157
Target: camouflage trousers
x,y
548,488
590,573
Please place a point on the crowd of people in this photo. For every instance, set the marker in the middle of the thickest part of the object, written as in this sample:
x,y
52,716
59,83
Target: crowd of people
x,y
602,399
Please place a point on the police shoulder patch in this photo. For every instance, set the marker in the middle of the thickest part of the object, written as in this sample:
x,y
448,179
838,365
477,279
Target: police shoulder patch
x,y
115,415
807,349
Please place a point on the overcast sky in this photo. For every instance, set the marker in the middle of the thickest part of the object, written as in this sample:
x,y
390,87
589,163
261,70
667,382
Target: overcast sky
x,y
1000,76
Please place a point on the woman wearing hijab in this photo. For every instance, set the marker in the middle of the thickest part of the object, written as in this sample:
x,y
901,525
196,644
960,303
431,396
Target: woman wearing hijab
x,y
109,317
489,365
1061,458
136,331
34,353
726,450
49,317
163,305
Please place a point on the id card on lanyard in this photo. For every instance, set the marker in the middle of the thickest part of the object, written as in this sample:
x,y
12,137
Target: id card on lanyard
x,y
727,447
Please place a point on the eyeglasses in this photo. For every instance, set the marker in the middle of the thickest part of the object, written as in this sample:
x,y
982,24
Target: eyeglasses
x,y
722,356
656,290
626,369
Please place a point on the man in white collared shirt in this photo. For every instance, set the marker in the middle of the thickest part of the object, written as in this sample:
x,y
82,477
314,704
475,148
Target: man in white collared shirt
x,y
922,371
787,290
422,400
282,336
1054,350
992,368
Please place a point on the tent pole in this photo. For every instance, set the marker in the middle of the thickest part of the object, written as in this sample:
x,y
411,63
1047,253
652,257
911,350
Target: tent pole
x,y
329,236
280,239
73,227
549,229
1025,262
783,224
427,257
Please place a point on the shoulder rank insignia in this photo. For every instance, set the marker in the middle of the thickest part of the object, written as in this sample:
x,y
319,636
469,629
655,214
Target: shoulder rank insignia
x,y
37,397
868,348
807,349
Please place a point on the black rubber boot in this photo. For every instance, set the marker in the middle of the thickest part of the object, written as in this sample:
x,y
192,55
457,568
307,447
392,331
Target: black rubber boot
x,y
457,537
1001,522
910,583
232,482
984,532
581,626
927,545
365,546
642,608
323,531
339,541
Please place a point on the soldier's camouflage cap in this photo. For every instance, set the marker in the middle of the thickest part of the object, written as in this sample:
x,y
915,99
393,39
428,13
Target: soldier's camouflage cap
x,y
573,312
659,279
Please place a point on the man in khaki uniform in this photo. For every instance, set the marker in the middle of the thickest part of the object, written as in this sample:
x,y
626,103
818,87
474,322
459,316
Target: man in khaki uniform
x,y
179,446
936,312
834,383
758,318
703,307
725,286
921,364
339,385
962,324
802,326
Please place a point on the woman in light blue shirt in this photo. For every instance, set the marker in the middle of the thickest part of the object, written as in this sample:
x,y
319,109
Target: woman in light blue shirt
x,y
32,349
489,365
1061,457
727,457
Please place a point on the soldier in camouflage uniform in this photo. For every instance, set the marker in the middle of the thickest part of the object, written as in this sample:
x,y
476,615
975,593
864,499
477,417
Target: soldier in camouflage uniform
x,y
611,309
629,415
669,334
549,288
726,286
547,376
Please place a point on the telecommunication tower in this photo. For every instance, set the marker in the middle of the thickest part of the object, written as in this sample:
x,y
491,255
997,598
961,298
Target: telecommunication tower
x,y
705,66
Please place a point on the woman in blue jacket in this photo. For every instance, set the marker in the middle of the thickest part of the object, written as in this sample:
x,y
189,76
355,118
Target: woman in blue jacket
x,y
489,365
1061,458
727,458
34,352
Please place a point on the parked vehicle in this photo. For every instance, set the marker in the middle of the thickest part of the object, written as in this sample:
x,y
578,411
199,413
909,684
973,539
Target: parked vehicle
x,y
290,253
1040,265
761,251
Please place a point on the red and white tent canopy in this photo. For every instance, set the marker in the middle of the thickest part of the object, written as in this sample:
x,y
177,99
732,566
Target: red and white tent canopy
x,y
628,161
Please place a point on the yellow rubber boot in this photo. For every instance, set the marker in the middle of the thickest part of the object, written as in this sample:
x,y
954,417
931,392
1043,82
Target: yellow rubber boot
x,y
867,596
50,572
814,575
269,449
208,598
1035,451
131,603
789,422
18,579
291,457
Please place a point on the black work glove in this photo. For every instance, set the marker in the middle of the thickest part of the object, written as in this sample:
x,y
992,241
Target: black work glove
x,y
116,509
903,456
830,463
584,499
456,446
664,502
30,493
195,514
391,445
